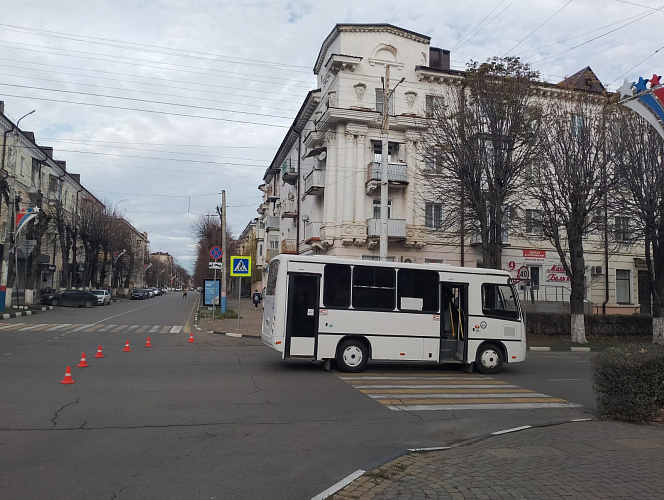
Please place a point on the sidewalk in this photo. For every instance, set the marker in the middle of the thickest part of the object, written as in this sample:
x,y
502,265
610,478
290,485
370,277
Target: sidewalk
x,y
250,320
572,460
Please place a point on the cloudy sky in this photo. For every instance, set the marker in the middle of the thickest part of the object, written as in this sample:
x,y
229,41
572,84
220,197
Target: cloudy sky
x,y
162,104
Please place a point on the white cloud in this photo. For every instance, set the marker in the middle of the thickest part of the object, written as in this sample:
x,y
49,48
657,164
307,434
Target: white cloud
x,y
249,58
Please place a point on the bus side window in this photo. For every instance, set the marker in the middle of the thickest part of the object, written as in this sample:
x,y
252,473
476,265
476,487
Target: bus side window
x,y
374,288
498,300
336,285
417,284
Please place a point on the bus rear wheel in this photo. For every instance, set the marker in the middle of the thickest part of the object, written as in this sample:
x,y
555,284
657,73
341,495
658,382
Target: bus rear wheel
x,y
489,359
352,356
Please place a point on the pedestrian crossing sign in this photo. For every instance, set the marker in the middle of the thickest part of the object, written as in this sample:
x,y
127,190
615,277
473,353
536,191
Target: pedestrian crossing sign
x,y
240,265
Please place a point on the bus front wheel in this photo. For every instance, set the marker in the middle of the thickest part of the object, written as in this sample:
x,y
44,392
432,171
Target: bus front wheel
x,y
352,356
489,359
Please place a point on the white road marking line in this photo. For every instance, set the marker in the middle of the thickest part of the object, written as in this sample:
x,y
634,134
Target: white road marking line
x,y
439,386
415,378
483,406
26,328
338,486
176,329
513,429
458,396
58,327
11,325
154,329
81,328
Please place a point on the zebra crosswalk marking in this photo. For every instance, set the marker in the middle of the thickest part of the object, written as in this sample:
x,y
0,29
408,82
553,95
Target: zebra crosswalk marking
x,y
448,391
58,327
31,327
11,325
89,328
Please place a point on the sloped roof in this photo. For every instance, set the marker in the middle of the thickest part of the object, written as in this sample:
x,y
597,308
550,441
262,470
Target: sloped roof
x,y
585,79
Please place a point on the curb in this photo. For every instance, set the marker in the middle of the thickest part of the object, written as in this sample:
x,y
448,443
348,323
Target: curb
x,y
231,334
566,349
18,314
466,442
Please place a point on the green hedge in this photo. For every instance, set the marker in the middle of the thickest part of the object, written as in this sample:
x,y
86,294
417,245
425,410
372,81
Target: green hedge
x,y
629,382
596,325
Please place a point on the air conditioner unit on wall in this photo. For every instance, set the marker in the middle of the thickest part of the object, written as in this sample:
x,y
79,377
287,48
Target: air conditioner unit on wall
x,y
597,270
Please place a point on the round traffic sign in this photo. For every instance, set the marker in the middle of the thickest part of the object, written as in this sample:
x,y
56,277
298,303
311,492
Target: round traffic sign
x,y
216,253
523,273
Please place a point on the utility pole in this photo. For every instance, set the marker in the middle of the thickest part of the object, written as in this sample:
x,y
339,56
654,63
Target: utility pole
x,y
384,133
224,257
384,178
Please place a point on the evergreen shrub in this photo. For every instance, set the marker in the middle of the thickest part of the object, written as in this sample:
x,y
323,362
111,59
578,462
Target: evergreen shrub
x,y
629,382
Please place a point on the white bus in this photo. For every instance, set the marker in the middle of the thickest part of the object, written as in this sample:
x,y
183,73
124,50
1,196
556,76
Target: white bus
x,y
348,310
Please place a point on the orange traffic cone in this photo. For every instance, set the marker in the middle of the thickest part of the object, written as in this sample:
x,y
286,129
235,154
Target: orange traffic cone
x,y
148,344
83,363
99,353
126,349
68,379
191,338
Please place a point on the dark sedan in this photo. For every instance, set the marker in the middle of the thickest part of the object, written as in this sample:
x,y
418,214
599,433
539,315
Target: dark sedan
x,y
139,294
79,298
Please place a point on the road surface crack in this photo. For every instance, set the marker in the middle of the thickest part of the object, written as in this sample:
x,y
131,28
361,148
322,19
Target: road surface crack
x,y
55,415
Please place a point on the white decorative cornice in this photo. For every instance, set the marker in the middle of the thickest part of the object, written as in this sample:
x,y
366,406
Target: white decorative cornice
x,y
340,62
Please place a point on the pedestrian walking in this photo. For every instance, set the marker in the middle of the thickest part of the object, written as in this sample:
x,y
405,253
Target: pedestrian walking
x,y
256,298
184,292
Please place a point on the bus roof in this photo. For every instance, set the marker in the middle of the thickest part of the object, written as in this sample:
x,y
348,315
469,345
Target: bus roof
x,y
328,259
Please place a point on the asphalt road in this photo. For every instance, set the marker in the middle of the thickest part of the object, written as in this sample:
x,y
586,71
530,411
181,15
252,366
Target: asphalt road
x,y
222,417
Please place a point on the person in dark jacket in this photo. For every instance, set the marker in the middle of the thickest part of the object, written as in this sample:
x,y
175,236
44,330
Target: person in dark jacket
x,y
256,298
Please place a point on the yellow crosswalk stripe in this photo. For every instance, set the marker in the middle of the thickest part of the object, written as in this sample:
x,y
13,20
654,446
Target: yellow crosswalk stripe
x,y
448,391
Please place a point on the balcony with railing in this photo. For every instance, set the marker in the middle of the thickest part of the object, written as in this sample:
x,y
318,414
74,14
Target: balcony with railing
x,y
271,223
312,231
289,209
289,246
288,172
397,175
272,252
314,182
396,228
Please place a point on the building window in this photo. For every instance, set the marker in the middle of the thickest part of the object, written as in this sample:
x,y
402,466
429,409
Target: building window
x,y
623,295
52,183
534,277
22,171
433,215
434,105
379,102
622,229
392,148
534,222
433,162
376,209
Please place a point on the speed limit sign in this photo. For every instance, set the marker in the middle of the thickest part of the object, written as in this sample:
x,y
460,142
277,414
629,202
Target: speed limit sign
x,y
523,273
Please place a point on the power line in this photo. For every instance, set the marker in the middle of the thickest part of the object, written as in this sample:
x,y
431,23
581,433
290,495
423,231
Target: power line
x,y
125,44
97,72
474,27
531,33
487,24
106,87
147,101
154,65
108,106
593,39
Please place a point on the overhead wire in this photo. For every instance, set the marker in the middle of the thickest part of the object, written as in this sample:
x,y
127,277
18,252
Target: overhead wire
x,y
536,29
126,44
193,70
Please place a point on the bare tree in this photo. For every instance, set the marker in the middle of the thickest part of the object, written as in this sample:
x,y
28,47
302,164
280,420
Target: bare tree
x,y
481,136
568,185
639,163
94,222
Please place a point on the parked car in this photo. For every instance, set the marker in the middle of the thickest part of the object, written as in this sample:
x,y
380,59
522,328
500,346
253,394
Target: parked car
x,y
103,297
139,294
79,298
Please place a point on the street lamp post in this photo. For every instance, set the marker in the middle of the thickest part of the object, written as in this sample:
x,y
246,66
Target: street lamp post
x,y
14,207
113,266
